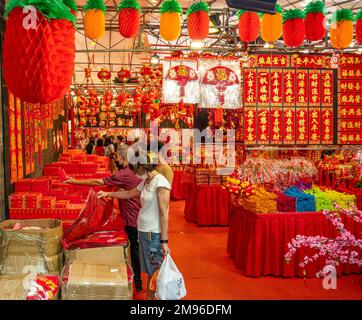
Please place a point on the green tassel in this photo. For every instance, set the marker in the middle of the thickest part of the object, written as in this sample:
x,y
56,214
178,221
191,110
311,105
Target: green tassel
x,y
129,4
170,6
315,6
342,15
292,14
50,9
95,4
70,4
198,6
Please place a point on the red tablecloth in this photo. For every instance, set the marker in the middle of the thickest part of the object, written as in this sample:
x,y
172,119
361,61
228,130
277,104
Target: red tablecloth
x,y
207,205
258,242
179,185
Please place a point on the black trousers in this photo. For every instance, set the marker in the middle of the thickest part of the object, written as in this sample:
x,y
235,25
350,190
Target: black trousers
x,y
132,234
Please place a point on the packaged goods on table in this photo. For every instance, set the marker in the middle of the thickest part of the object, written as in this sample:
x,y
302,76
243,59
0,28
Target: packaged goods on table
x,y
260,202
286,203
30,243
305,202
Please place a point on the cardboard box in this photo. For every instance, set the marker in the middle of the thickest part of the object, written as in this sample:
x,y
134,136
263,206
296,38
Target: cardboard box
x,y
37,242
103,256
89,280
11,288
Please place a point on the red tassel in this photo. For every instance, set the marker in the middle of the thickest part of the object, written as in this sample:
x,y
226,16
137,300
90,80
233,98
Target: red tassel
x,y
218,115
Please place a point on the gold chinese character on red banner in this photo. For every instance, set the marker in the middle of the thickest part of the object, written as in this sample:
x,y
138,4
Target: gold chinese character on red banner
x,y
249,87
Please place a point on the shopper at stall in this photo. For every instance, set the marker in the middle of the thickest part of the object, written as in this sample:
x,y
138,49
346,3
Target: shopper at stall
x,y
89,147
110,152
99,149
163,167
152,222
125,179
120,142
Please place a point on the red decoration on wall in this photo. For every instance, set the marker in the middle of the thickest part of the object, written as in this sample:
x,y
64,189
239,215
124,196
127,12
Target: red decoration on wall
x,y
276,125
276,89
263,87
315,125
19,138
263,126
270,60
327,88
12,138
314,87
327,126
289,88
301,119
302,88
249,87
182,74
250,126
289,126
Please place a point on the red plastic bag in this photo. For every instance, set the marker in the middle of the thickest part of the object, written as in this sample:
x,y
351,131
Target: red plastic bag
x,y
97,215
44,288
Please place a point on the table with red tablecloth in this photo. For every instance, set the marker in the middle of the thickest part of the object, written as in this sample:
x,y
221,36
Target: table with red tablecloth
x,y
179,185
207,205
258,242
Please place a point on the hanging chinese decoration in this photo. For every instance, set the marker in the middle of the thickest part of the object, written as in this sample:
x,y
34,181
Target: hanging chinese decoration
x,y
181,82
71,5
315,21
104,75
38,59
341,31
271,25
94,19
123,75
198,20
170,21
293,27
248,26
129,18
359,27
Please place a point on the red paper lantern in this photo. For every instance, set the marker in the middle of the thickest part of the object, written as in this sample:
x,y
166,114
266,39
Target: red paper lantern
x,y
315,21
104,75
198,20
38,62
359,27
129,18
249,26
293,27
123,75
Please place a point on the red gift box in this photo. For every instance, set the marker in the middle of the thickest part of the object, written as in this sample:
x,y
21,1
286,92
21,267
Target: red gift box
x,y
62,204
41,185
17,200
32,200
88,167
91,157
58,193
23,185
61,185
80,156
47,202
51,170
74,198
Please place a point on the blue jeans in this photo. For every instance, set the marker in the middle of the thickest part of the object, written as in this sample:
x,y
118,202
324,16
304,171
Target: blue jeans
x,y
151,255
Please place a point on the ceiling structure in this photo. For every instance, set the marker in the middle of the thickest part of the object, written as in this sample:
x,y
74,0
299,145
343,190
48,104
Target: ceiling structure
x,y
114,51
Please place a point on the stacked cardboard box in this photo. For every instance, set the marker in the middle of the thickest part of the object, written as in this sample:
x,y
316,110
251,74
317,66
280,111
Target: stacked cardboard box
x,y
31,243
96,274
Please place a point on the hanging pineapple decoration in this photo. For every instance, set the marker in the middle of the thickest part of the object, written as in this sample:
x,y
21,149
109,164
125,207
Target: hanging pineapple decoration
x,y
38,58
170,22
198,20
129,18
341,32
271,25
94,19
293,27
315,21
248,26
359,27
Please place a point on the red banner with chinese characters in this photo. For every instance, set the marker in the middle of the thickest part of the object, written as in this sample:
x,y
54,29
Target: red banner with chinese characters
x,y
250,126
276,121
263,126
350,137
289,88
263,87
314,88
302,88
327,126
19,139
12,139
314,125
345,99
327,88
350,73
350,60
349,86
289,125
350,112
301,119
276,97
310,61
271,60
347,125
249,87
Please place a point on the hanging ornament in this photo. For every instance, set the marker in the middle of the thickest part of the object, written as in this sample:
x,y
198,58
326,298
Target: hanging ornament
x,y
341,31
129,18
271,25
249,26
182,75
71,5
293,27
104,75
198,20
38,59
315,21
94,19
170,21
359,27
87,73
123,75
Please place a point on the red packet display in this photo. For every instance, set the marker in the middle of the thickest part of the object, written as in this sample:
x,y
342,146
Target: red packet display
x,y
44,288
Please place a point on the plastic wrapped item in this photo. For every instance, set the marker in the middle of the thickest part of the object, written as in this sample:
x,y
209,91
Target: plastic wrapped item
x,y
181,81
30,243
97,215
44,288
220,83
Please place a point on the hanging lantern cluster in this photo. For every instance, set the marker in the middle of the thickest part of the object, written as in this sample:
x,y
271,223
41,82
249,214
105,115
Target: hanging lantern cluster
x,y
94,19
248,26
198,20
170,21
129,18
293,27
38,57
341,31
271,25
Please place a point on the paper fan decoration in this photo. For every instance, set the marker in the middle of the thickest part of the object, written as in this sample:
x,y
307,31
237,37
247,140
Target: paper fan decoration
x,y
182,74
221,77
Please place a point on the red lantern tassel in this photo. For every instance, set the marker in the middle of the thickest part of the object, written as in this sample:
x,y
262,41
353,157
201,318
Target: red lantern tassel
x,y
218,115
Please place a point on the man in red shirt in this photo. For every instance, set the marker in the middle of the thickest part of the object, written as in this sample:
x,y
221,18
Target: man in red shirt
x,y
125,179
